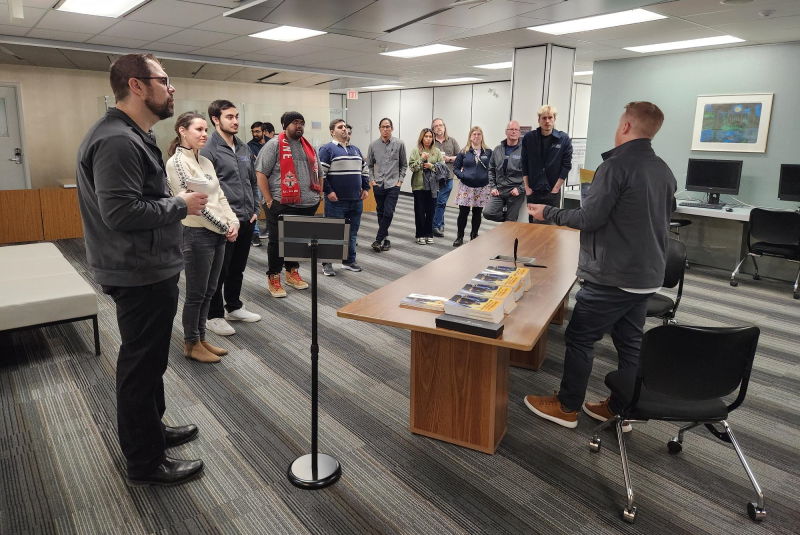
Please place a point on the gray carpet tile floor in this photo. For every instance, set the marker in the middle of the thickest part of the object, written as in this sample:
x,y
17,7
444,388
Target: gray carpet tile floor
x,y
61,470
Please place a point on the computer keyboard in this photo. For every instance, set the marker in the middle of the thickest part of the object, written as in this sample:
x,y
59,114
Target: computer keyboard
x,y
702,205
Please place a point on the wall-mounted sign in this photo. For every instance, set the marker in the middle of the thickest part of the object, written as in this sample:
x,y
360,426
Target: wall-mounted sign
x,y
352,95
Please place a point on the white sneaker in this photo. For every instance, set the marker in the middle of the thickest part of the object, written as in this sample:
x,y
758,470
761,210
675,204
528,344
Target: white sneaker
x,y
242,315
429,241
220,326
421,241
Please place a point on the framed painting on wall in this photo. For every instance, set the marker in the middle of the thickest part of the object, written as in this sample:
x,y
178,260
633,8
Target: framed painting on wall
x,y
732,123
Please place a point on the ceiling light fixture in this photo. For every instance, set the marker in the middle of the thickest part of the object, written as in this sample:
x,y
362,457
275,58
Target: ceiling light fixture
x,y
287,33
99,8
692,43
623,18
388,86
495,66
422,51
456,80
583,73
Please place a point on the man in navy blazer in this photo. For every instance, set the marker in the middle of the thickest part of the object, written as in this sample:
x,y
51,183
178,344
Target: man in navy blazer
x,y
546,160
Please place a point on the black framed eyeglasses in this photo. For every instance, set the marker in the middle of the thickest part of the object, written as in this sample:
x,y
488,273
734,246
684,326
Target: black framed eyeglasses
x,y
163,79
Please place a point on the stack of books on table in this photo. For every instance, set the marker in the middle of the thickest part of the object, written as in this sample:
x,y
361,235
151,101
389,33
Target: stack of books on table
x,y
491,291
514,282
426,302
523,273
474,307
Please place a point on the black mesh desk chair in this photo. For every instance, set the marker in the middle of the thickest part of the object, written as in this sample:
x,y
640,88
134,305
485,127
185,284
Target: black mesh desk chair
x,y
675,226
660,306
777,233
683,374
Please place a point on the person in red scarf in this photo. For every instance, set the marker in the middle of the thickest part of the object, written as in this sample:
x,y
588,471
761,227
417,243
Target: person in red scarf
x,y
288,175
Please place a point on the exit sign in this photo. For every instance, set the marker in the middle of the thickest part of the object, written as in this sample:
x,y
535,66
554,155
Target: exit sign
x,y
352,95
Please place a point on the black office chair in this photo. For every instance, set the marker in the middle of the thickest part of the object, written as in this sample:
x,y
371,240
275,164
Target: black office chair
x,y
660,306
777,233
675,226
683,374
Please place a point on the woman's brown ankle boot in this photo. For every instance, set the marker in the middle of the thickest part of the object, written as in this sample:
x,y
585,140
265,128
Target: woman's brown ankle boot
x,y
196,351
218,351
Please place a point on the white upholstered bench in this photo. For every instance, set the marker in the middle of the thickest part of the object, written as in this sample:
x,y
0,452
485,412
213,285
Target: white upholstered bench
x,y
39,287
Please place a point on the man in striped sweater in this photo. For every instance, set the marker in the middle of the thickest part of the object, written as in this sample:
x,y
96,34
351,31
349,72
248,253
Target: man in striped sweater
x,y
346,185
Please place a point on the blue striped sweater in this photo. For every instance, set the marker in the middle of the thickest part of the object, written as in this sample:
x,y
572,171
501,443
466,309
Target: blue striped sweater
x,y
345,171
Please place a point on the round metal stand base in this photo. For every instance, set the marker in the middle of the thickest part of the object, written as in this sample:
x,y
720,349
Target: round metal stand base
x,y
328,472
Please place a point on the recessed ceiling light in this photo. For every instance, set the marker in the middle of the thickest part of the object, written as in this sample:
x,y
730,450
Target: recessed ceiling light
x,y
583,73
99,8
422,51
456,80
692,43
493,66
287,33
388,86
623,18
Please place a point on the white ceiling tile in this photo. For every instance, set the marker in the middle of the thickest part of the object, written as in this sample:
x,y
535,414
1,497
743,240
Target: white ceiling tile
x,y
348,64
40,4
91,61
169,47
383,15
249,75
344,42
633,30
420,34
214,52
180,69
762,26
211,71
314,14
747,13
54,35
32,16
496,28
42,57
263,58
697,33
130,29
74,22
686,8
480,15
14,30
323,57
244,44
175,13
776,36
234,26
291,49
117,41
196,38
220,3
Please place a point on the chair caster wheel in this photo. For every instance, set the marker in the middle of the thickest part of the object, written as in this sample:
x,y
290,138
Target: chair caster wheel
x,y
734,284
629,515
594,444
755,512
796,295
756,277
674,446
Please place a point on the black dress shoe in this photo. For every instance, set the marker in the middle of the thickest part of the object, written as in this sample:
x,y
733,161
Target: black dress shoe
x,y
175,436
170,472
459,242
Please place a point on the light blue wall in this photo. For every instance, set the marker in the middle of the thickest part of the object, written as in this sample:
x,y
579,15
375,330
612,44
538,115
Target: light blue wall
x,y
674,81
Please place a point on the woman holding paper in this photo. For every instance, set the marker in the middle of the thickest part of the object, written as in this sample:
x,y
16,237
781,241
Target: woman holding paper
x,y
203,236
472,168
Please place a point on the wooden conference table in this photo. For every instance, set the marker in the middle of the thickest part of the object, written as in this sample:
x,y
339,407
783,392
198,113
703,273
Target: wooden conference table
x,y
459,382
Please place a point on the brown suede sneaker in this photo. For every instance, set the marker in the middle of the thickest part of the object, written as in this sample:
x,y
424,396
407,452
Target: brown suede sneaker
x,y
294,280
600,412
275,287
549,408
218,351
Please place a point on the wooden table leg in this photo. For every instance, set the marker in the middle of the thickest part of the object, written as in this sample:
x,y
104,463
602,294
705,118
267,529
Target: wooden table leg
x,y
459,391
532,359
561,314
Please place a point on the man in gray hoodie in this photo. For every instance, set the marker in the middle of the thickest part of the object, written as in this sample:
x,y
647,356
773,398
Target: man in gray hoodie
x,y
132,230
624,224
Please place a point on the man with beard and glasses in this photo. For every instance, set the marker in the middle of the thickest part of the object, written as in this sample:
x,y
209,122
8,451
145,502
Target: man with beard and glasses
x,y
133,234
233,162
449,149
289,179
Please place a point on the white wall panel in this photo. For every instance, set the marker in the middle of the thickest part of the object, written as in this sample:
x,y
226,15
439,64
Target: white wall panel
x,y
528,84
562,67
580,110
385,104
337,106
490,112
416,113
453,105
359,116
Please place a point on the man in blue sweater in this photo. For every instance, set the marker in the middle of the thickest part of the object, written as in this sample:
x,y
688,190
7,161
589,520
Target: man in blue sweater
x,y
346,185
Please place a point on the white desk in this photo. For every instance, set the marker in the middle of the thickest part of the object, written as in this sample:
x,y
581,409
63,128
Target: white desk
x,y
738,214
574,194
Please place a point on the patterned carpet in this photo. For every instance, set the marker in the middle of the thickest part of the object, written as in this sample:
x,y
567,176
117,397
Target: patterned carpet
x,y
61,467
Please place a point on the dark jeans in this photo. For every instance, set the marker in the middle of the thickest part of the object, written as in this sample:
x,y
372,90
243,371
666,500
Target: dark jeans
x,y
463,213
441,204
231,275
203,254
351,210
144,316
424,206
598,310
276,263
386,202
544,197
494,209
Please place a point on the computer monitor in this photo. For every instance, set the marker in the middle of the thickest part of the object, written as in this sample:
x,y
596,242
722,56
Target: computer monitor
x,y
714,177
789,186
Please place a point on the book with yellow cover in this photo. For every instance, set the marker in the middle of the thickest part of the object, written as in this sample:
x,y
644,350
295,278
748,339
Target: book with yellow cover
x,y
501,279
523,273
472,306
492,291
427,302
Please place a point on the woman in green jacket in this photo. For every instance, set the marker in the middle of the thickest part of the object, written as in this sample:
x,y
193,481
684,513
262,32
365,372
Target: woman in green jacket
x,y
424,156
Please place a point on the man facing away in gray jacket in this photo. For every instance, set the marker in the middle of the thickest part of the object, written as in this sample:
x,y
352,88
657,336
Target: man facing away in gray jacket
x,y
505,178
132,228
624,224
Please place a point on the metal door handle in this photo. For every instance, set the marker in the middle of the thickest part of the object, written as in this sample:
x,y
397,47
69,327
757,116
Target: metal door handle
x,y
17,157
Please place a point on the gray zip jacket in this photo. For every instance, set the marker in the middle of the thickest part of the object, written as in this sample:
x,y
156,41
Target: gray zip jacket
x,y
236,174
624,220
512,178
132,227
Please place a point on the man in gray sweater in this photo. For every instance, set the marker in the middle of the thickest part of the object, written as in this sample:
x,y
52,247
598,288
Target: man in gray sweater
x,y
624,224
506,186
132,230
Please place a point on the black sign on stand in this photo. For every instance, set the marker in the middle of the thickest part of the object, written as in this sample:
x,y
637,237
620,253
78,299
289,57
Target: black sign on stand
x,y
319,240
